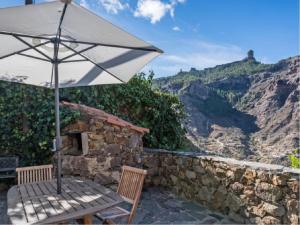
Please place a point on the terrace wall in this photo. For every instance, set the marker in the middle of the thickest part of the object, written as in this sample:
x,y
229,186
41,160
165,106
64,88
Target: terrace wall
x,y
248,192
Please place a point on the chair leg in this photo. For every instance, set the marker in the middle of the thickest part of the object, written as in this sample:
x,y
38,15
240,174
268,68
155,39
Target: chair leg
x,y
130,218
133,211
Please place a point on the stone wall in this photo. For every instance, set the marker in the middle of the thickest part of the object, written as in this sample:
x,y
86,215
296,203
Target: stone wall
x,y
105,148
248,192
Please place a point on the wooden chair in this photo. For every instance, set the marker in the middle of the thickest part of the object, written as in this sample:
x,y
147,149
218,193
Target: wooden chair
x,y
130,188
34,174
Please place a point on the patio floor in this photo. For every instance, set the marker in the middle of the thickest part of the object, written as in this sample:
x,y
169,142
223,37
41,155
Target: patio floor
x,y
3,216
158,206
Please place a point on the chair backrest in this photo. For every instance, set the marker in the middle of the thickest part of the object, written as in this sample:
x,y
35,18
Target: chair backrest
x,y
130,187
131,183
33,174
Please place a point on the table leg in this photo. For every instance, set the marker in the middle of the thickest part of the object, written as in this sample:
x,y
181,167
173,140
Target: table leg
x,y
88,219
110,222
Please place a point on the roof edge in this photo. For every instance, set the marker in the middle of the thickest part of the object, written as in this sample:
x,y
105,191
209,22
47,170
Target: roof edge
x,y
104,116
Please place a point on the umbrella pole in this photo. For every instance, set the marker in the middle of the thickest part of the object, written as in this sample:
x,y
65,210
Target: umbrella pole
x,y
57,120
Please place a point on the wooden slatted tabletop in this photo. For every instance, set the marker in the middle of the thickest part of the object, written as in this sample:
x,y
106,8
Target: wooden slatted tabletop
x,y
38,203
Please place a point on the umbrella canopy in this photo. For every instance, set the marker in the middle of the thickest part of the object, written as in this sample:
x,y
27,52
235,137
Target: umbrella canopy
x,y
91,50
61,44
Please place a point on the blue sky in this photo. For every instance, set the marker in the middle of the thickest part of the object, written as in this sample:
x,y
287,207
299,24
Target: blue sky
x,y
204,33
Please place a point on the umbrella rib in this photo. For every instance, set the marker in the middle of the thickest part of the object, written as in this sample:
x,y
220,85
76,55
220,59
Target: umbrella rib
x,y
34,57
24,35
75,60
93,63
52,74
114,46
31,46
85,42
75,53
23,50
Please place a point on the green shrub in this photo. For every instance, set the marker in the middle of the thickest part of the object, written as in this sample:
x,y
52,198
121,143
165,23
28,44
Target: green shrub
x,y
209,75
27,122
138,103
294,159
27,115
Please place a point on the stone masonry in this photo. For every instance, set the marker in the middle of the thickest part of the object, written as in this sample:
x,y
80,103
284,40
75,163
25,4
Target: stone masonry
x,y
247,192
106,143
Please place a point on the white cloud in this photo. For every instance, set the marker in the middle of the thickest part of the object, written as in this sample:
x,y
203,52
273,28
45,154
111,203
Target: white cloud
x,y
113,6
207,54
176,28
155,10
84,4
202,55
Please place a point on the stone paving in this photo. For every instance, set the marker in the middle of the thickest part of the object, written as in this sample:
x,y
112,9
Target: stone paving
x,y
158,206
162,207
3,217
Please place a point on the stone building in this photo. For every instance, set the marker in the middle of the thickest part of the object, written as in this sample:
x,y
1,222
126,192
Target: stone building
x,y
97,144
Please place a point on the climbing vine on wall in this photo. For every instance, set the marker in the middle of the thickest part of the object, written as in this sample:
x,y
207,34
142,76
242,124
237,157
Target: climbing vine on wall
x,y
27,115
27,122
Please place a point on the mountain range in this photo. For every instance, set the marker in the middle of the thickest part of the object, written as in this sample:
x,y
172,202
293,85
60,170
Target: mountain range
x,y
244,109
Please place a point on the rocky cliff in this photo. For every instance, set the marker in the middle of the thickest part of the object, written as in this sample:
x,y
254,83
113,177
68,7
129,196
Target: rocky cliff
x,y
244,109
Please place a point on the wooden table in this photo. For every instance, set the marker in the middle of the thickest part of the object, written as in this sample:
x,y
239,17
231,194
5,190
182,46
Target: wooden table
x,y
38,203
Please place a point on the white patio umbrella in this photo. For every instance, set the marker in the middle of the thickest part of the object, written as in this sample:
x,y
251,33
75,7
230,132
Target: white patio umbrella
x,y
60,44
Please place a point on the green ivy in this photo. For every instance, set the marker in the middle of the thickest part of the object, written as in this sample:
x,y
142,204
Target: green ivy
x,y
27,122
138,103
27,125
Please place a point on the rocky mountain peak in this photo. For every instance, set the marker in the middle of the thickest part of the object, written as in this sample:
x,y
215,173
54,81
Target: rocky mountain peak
x,y
250,56
243,109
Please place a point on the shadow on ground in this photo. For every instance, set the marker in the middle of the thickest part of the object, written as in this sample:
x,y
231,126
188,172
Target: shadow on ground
x,y
157,206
